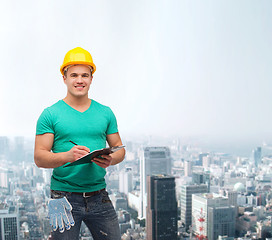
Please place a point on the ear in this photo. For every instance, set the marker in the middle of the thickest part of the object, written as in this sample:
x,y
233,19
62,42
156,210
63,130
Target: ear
x,y
64,79
91,79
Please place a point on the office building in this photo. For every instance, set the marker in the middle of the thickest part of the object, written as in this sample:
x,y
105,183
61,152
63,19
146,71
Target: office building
x,y
187,168
206,162
218,215
221,221
186,202
161,221
4,147
119,203
125,180
9,223
232,196
201,178
153,160
5,178
257,156
18,153
200,158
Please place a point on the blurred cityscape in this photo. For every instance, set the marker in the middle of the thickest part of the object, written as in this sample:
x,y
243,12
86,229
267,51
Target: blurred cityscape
x,y
165,189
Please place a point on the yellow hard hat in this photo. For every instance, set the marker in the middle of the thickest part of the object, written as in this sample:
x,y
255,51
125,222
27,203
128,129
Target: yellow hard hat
x,y
77,56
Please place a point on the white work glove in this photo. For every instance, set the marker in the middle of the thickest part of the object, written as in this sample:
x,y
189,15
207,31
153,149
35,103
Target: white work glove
x,y
59,212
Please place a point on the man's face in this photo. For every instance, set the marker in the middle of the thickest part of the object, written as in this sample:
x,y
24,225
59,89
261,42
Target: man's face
x,y
78,80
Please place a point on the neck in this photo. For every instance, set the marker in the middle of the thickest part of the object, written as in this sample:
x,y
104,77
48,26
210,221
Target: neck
x,y
78,103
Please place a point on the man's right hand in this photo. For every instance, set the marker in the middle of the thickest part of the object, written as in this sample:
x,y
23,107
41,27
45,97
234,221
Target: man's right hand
x,y
77,152
45,158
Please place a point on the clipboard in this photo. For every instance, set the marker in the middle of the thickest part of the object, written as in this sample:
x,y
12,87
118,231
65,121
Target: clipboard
x,y
88,158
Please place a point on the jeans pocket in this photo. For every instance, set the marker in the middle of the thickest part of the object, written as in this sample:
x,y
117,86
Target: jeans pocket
x,y
105,197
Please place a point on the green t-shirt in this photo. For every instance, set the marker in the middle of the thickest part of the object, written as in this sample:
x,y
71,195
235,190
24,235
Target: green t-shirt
x,y
89,129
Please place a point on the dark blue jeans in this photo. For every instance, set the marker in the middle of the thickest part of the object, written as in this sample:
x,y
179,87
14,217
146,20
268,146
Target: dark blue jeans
x,y
96,212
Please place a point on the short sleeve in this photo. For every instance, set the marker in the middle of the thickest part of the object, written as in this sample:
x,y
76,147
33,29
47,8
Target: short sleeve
x,y
44,123
112,125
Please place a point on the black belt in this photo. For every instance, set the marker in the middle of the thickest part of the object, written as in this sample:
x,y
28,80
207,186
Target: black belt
x,y
84,194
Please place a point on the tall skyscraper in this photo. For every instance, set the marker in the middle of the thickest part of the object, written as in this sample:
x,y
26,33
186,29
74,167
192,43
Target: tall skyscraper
x,y
4,180
187,168
9,223
206,161
4,146
200,158
153,160
218,215
186,201
161,221
257,156
125,180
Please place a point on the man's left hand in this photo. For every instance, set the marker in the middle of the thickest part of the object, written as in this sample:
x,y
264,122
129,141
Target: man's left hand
x,y
104,161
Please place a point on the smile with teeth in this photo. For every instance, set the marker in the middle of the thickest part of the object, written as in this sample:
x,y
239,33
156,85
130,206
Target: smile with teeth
x,y
79,87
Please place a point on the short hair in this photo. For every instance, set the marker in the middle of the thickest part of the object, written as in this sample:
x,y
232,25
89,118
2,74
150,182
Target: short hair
x,y
67,67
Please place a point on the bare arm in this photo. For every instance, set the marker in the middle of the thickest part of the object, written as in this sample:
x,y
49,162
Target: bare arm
x,y
113,141
114,158
44,158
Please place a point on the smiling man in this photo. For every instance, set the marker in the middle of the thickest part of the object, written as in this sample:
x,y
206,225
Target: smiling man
x,y
78,193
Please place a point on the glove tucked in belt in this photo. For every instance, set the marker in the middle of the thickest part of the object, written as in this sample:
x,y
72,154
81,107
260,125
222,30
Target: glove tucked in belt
x,y
59,212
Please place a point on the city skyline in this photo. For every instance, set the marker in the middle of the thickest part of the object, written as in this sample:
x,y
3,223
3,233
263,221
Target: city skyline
x,y
244,184
170,69
192,77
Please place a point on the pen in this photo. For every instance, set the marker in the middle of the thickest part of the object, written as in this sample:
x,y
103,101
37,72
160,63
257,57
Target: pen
x,y
72,142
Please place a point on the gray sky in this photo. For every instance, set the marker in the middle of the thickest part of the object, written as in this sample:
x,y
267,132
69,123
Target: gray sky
x,y
164,67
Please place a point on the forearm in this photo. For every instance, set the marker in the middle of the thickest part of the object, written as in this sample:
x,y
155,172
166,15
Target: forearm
x,y
46,159
118,156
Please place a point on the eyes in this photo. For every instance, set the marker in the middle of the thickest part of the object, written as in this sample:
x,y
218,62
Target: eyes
x,y
75,75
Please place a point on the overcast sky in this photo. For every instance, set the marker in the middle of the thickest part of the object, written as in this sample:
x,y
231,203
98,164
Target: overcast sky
x,y
165,67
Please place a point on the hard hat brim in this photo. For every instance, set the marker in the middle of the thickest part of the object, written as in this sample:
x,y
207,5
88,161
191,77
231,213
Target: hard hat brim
x,y
63,66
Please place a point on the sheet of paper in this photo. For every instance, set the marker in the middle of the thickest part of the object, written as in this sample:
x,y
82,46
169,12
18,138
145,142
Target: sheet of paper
x,y
88,158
